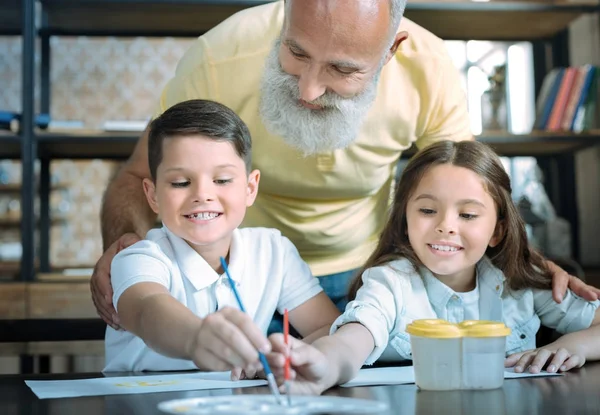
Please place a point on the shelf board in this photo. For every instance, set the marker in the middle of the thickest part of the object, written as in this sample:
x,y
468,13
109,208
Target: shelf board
x,y
188,18
10,145
86,145
449,20
16,222
9,269
15,188
538,143
496,20
10,17
90,145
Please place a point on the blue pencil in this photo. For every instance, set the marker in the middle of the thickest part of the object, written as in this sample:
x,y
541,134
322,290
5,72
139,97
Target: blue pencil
x,y
263,359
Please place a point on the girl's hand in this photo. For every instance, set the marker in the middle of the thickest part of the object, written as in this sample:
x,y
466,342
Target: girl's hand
x,y
309,368
552,359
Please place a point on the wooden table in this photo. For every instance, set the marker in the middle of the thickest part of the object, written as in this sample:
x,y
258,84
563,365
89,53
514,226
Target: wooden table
x,y
577,392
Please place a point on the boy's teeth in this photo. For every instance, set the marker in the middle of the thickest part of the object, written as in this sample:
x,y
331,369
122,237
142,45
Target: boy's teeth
x,y
444,248
204,216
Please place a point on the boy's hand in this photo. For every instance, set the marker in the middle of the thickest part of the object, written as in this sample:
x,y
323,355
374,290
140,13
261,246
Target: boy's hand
x,y
228,339
554,359
309,368
251,372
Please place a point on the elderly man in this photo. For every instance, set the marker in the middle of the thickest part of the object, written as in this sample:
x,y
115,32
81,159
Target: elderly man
x,y
333,91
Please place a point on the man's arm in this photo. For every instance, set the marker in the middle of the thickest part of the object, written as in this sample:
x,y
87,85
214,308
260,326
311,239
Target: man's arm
x,y
124,208
125,218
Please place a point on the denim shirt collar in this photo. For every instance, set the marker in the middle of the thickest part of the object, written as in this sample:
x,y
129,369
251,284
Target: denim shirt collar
x,y
490,281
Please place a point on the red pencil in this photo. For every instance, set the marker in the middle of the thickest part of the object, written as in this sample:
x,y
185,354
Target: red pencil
x,y
286,373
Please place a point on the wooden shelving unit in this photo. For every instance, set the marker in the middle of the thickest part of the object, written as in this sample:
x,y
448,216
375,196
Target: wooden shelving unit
x,y
540,21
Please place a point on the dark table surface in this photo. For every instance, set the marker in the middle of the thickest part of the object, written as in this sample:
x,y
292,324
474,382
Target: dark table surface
x,y
577,392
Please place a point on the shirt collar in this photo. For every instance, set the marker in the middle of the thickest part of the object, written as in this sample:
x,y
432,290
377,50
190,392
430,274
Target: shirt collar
x,y
197,270
439,293
490,276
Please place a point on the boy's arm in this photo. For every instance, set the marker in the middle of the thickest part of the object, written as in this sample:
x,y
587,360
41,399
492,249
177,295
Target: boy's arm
x,y
313,318
221,341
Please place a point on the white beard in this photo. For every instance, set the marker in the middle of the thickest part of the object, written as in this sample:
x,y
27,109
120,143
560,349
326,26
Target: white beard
x,y
334,126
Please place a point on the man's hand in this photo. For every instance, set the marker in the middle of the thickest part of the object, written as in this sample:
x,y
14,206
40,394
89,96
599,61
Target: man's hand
x,y
561,281
100,283
309,369
228,339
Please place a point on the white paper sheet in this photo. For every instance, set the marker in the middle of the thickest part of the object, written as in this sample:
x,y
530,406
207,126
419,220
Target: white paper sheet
x,y
406,374
45,389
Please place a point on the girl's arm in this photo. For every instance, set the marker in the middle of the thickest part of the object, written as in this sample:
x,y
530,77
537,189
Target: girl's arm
x,y
568,352
329,361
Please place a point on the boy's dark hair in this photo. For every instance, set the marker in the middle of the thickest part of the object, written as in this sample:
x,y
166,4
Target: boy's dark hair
x,y
521,264
198,117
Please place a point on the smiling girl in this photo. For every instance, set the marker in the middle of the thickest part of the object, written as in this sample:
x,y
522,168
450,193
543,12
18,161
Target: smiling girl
x,y
454,248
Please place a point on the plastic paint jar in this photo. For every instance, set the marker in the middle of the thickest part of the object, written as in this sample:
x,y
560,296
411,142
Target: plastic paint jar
x,y
484,345
436,352
447,356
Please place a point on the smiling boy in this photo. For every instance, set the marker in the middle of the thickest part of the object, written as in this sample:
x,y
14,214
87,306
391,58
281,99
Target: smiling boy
x,y
174,301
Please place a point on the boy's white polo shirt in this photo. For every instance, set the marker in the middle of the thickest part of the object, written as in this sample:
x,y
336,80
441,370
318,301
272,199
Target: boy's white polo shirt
x,y
265,266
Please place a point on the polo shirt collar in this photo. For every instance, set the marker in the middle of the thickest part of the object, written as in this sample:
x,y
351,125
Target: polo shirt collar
x,y
197,270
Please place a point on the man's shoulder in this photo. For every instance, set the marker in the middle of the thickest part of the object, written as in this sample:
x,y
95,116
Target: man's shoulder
x,y
420,42
245,34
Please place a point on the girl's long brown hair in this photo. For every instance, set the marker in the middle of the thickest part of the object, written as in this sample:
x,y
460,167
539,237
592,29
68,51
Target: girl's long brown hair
x,y
523,267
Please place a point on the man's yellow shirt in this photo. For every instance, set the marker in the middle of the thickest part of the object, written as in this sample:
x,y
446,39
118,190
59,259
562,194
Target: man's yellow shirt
x,y
331,205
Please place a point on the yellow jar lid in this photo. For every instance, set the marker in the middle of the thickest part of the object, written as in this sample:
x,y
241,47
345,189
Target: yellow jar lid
x,y
432,328
483,328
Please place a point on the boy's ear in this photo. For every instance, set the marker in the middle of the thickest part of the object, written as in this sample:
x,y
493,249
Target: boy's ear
x,y
252,190
498,235
150,192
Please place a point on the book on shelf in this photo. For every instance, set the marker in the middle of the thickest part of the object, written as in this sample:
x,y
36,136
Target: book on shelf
x,y
568,100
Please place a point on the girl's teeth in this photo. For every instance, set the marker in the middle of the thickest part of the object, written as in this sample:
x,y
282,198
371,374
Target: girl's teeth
x,y
444,248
